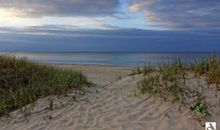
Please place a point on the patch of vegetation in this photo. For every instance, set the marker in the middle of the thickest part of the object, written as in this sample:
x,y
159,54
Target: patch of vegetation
x,y
147,69
210,68
143,70
150,84
23,82
169,83
166,83
136,70
200,108
172,72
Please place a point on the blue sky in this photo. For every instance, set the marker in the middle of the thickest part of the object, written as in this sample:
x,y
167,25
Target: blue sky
x,y
109,25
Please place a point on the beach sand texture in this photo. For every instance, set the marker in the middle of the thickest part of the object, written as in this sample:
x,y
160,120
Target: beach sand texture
x,y
111,105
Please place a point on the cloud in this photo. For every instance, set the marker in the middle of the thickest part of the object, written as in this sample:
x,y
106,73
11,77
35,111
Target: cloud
x,y
135,7
179,14
65,38
38,8
103,25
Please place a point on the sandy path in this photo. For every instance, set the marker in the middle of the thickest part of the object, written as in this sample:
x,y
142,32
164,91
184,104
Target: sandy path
x,y
112,107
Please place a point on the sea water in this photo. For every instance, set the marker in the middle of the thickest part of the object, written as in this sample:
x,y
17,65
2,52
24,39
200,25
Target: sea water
x,y
130,59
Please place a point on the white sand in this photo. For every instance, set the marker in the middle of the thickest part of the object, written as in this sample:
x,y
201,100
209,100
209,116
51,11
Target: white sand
x,y
112,105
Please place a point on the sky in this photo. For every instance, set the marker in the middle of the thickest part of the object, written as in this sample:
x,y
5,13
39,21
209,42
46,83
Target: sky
x,y
109,25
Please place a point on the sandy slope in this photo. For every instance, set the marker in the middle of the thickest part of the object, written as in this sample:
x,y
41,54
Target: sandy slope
x,y
112,105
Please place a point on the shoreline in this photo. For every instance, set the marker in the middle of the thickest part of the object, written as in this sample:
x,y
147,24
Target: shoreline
x,y
129,60
89,65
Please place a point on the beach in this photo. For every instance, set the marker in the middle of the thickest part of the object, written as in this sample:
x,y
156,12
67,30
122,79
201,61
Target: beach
x,y
111,103
109,65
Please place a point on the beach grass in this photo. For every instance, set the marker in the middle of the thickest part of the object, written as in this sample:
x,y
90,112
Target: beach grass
x,y
145,70
166,82
169,82
209,67
23,82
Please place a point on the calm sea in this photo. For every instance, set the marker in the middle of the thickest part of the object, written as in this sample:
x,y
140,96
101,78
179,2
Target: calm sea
x,y
112,58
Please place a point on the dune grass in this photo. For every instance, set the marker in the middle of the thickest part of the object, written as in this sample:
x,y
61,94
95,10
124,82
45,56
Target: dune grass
x,y
145,70
168,82
23,82
210,68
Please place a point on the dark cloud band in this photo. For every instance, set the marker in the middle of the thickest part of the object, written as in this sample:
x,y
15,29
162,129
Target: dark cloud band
x,y
51,38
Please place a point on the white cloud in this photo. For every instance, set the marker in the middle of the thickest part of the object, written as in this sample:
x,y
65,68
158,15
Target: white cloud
x,y
37,8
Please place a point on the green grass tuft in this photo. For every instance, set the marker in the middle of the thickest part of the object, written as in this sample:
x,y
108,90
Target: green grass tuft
x,y
201,109
23,82
150,84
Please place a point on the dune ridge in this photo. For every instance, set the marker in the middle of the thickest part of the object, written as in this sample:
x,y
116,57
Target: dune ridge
x,y
108,105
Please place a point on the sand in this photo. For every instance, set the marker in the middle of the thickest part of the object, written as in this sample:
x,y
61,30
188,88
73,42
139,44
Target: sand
x,y
112,104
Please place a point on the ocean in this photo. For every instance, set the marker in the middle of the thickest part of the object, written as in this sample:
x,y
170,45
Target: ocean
x,y
129,59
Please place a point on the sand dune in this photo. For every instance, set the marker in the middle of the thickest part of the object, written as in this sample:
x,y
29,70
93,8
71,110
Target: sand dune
x,y
111,105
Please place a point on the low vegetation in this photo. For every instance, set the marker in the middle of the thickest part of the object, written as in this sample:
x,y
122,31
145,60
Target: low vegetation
x,y
166,83
210,68
23,82
200,108
169,82
145,70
